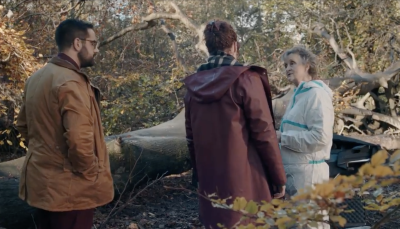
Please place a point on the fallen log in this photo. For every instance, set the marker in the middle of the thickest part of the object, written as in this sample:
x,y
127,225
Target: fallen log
x,y
385,141
156,150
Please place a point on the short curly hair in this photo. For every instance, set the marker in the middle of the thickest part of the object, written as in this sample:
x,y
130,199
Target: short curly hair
x,y
308,58
219,35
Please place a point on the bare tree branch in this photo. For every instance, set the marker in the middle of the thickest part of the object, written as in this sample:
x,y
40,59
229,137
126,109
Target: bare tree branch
x,y
174,46
71,8
337,32
377,116
149,21
355,67
386,141
320,30
135,27
355,73
189,23
171,35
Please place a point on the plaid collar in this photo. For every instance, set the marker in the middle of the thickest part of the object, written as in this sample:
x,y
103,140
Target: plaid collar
x,y
219,59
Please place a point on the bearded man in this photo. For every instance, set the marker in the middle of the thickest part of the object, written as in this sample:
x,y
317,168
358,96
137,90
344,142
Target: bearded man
x,y
66,173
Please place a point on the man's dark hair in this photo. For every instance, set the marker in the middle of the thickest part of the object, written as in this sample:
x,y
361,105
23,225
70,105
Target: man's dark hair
x,y
219,35
69,30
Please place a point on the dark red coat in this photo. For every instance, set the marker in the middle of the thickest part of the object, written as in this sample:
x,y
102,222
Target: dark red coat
x,y
232,139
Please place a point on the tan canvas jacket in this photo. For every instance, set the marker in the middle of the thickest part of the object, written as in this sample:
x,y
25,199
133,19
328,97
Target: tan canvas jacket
x,y
67,165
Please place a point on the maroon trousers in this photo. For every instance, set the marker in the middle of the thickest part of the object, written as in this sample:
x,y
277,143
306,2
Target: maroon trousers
x,y
78,219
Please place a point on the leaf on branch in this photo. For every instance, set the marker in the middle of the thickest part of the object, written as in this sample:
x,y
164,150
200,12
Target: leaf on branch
x,y
379,158
372,207
388,182
396,168
21,143
382,171
281,222
239,204
349,211
251,207
324,190
339,219
394,202
276,202
395,156
313,224
266,207
379,198
368,185
342,221
339,196
366,169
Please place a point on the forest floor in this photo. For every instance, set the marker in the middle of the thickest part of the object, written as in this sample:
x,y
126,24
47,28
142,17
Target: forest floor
x,y
169,203
172,203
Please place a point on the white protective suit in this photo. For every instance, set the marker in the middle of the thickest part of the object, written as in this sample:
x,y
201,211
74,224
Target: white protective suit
x,y
306,136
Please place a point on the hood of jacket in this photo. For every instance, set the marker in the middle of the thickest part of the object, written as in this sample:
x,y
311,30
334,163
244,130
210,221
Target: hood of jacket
x,y
210,85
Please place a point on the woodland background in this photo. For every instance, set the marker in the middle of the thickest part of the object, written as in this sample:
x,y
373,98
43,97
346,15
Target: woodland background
x,y
147,47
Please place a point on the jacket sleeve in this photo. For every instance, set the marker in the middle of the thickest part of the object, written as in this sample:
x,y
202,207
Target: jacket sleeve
x,y
262,131
22,125
319,118
190,143
78,125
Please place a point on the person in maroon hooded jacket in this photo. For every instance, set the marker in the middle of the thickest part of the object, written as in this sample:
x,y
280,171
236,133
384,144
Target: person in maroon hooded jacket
x,y
230,129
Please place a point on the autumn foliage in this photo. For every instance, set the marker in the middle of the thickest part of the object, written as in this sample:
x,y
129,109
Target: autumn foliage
x,y
17,64
312,203
17,60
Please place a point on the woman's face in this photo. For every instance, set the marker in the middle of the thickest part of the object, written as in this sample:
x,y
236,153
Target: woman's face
x,y
296,71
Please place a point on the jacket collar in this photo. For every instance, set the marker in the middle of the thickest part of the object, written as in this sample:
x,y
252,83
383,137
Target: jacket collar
x,y
68,59
66,64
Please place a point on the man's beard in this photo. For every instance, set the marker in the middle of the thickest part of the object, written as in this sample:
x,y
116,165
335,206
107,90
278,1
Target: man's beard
x,y
85,59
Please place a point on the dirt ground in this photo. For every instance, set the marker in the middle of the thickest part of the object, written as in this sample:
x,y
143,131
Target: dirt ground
x,y
165,204
169,204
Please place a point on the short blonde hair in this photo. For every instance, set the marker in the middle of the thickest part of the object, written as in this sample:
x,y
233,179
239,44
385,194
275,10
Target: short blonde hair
x,y
307,57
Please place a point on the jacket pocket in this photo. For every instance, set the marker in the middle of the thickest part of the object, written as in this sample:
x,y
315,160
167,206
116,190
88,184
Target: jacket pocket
x,y
90,177
91,174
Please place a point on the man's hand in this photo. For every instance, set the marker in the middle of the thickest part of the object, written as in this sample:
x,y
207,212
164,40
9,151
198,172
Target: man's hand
x,y
279,191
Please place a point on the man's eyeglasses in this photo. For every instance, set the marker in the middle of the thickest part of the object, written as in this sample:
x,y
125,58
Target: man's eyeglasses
x,y
93,42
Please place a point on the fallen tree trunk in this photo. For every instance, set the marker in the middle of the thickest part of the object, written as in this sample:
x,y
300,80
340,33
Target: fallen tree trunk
x,y
385,141
156,150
